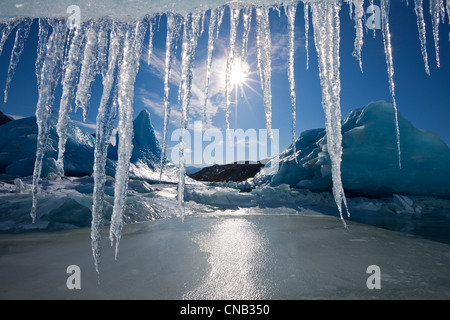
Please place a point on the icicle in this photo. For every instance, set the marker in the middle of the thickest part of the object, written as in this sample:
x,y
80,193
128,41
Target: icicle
x,y
264,61
247,21
87,74
21,35
448,16
105,122
190,38
41,48
306,15
372,8
101,65
437,11
350,5
202,23
422,32
220,13
359,13
72,69
127,77
326,34
234,21
150,40
212,26
6,29
173,29
290,11
390,67
50,74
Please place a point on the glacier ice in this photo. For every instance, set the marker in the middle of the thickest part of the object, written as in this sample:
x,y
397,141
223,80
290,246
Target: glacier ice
x,y
113,21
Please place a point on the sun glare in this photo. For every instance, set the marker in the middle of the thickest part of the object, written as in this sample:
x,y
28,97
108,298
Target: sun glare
x,y
239,72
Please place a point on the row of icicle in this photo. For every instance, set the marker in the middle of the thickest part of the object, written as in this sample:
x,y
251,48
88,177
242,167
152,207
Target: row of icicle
x,y
113,49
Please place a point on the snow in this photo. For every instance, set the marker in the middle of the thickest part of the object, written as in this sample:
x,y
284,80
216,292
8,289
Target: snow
x,y
370,163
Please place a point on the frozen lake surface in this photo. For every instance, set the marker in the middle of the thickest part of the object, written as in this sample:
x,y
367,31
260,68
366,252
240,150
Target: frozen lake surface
x,y
210,256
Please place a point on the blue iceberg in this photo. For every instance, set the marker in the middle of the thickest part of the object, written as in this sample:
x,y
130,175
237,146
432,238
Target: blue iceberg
x,y
18,150
370,159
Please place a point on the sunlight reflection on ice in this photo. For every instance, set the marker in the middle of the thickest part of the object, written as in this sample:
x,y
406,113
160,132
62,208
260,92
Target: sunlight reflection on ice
x,y
238,258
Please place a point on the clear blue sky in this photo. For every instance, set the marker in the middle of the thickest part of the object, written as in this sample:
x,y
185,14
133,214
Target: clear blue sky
x,y
422,99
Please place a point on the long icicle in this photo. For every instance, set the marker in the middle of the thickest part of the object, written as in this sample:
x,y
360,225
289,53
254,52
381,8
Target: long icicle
x,y
264,62
151,23
247,23
390,68
190,38
127,77
101,65
306,16
437,11
418,7
21,35
359,13
41,48
326,34
212,27
50,74
72,69
290,11
105,121
173,29
87,73
6,29
234,21
448,16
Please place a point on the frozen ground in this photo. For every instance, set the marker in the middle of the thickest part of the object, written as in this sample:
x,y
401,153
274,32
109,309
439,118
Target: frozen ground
x,y
270,243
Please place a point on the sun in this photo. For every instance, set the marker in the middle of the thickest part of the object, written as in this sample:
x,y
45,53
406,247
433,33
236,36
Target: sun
x,y
239,73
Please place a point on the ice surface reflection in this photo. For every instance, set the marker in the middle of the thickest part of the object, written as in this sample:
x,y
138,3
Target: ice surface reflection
x,y
238,261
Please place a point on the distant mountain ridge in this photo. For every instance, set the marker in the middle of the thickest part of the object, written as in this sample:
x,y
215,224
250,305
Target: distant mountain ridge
x,y
228,172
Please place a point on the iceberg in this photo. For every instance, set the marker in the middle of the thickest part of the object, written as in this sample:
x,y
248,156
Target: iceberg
x,y
145,162
369,160
18,151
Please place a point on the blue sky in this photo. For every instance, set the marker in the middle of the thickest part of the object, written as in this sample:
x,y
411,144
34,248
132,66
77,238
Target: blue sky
x,y
422,99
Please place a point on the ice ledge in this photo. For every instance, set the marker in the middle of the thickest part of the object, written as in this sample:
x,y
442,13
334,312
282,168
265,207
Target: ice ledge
x,y
125,10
